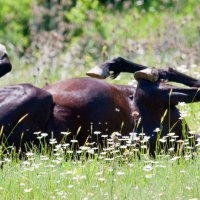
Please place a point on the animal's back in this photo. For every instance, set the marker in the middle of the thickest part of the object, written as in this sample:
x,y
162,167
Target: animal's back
x,y
24,110
91,104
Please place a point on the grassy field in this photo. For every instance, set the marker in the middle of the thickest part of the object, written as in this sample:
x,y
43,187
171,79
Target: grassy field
x,y
161,39
120,176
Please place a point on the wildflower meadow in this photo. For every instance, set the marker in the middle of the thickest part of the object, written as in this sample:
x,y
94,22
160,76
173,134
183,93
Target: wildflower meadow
x,y
48,41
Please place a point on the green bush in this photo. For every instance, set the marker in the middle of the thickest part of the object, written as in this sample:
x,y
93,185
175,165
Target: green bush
x,y
14,22
22,20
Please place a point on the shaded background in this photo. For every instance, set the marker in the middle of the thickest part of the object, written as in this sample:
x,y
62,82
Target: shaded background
x,y
49,40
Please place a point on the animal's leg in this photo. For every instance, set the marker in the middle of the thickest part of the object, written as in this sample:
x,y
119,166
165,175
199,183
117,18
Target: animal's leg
x,y
162,94
178,77
116,65
119,65
176,95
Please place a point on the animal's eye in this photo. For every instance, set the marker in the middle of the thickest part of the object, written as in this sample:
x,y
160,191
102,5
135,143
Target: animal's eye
x,y
131,97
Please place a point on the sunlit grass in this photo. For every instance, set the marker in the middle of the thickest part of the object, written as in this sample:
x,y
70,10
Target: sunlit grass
x,y
120,169
57,176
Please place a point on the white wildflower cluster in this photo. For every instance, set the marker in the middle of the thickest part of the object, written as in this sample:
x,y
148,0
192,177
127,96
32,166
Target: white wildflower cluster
x,y
40,135
150,166
184,110
117,146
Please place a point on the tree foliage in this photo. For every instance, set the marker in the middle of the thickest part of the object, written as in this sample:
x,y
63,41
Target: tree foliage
x,y
14,22
22,20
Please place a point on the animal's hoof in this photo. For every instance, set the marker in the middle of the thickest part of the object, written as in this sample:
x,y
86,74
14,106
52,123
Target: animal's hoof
x,y
98,72
148,74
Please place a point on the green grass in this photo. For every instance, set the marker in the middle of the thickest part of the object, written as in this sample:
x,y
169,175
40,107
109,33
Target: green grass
x,y
55,178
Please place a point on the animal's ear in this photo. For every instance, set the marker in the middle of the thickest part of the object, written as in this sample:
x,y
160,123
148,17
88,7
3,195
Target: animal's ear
x,y
2,50
5,65
149,74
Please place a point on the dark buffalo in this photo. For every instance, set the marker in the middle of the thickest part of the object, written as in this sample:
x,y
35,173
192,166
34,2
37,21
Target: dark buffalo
x,y
89,105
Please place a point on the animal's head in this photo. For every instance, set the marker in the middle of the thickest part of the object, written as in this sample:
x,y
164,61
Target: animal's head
x,y
5,65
